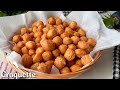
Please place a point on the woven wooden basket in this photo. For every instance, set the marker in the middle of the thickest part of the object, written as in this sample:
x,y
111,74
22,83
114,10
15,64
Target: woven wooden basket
x,y
61,76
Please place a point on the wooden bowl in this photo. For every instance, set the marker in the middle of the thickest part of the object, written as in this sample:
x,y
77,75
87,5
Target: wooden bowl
x,y
62,76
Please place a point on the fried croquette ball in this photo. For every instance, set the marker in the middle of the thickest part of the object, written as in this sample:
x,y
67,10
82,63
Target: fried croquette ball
x,y
83,45
38,45
78,62
20,44
35,29
40,50
38,34
37,40
44,36
51,34
89,49
75,68
72,46
27,37
60,62
30,45
49,65
60,29
83,38
67,40
23,30
63,48
69,54
73,25
40,28
91,41
16,49
45,30
65,34
27,60
65,24
47,45
86,59
57,40
48,26
58,21
16,38
81,32
31,52
76,34
51,21
75,39
42,67
38,23
69,30
34,66
56,52
52,27
65,70
80,52
25,50
32,34
37,58
47,55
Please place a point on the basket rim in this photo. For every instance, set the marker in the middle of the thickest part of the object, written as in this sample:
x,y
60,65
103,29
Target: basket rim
x,y
96,58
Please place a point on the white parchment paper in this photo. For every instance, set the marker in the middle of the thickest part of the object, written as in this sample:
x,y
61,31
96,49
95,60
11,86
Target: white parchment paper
x,y
90,21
